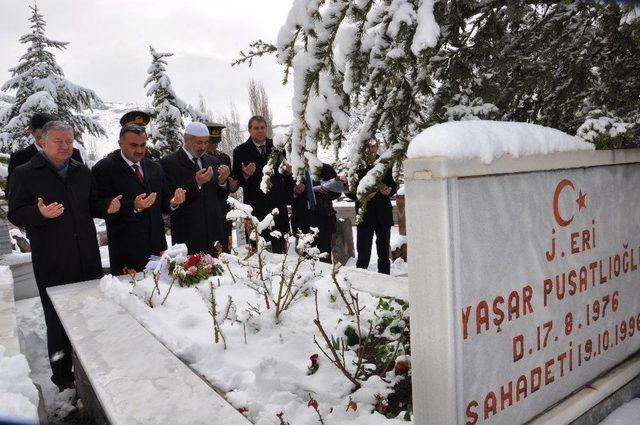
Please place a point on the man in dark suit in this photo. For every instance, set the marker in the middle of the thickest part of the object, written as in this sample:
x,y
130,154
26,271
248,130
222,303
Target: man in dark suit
x,y
377,218
249,159
215,137
55,198
137,231
22,156
198,221
312,206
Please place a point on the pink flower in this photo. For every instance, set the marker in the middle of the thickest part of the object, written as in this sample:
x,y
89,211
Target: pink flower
x,y
192,270
208,259
207,268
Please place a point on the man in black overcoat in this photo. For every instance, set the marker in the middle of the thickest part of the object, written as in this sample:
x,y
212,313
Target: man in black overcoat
x,y
312,206
54,197
22,156
377,218
249,159
137,231
198,221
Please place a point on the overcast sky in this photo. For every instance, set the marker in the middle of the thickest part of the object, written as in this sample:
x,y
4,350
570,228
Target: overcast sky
x,y
109,47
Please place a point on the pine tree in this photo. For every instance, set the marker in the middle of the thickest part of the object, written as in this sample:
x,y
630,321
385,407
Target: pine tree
x,y
40,86
566,65
168,109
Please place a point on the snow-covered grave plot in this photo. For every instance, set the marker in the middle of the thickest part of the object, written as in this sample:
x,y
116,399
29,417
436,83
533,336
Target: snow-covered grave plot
x,y
524,247
294,345
18,395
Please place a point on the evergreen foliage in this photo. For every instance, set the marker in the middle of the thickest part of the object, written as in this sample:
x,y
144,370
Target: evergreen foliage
x,y
168,109
570,65
40,86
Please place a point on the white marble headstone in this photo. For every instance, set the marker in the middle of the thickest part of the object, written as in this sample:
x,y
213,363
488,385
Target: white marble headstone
x,y
524,285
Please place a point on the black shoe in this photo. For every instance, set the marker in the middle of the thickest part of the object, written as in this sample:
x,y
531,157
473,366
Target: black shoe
x,y
64,384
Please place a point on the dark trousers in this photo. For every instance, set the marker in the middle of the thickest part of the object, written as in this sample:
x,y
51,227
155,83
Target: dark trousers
x,y
58,343
364,242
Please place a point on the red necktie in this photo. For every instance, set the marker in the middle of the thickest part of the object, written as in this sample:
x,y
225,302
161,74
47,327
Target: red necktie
x,y
139,175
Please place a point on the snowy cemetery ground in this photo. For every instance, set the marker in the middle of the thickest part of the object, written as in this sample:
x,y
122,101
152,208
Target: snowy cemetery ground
x,y
285,339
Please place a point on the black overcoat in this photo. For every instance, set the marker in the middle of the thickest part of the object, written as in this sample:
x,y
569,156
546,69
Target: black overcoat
x,y
65,248
279,195
24,155
198,221
133,237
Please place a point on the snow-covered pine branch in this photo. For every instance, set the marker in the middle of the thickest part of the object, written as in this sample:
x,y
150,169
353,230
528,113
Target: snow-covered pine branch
x,y
410,64
40,86
348,53
168,108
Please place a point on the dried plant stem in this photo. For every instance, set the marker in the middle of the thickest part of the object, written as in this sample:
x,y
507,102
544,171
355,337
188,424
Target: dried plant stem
x,y
168,290
336,267
280,416
335,357
227,308
226,263
212,311
313,403
156,279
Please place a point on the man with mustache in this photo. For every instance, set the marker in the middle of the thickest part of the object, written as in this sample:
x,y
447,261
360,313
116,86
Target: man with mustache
x,y
198,222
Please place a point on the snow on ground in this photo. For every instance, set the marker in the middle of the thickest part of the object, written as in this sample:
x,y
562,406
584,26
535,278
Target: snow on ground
x,y
489,140
18,395
627,414
268,372
59,405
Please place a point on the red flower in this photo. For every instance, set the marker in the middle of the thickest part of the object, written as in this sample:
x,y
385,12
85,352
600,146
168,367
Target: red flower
x,y
193,260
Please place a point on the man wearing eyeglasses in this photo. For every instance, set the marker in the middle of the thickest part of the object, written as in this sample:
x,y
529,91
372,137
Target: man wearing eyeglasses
x,y
137,231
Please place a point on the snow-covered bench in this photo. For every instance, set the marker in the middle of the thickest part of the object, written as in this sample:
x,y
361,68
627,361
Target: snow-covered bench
x,y
124,375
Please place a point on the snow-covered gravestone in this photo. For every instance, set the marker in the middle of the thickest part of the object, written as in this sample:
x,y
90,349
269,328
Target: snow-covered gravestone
x,y
524,246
